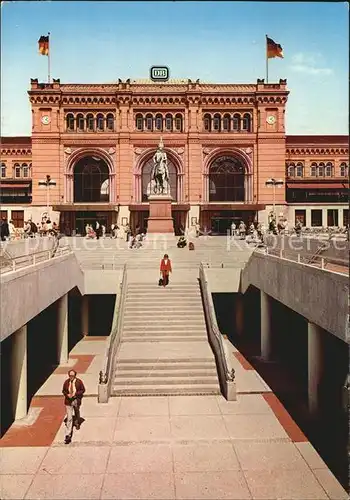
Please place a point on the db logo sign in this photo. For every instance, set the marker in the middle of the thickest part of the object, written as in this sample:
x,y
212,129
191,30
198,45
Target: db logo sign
x,y
159,73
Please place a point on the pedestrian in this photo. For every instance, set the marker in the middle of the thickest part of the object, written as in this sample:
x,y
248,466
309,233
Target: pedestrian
x,y
97,230
4,231
73,390
165,269
103,231
197,226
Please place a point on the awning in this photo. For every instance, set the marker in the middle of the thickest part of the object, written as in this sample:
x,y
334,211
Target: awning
x,y
231,207
14,186
318,186
86,207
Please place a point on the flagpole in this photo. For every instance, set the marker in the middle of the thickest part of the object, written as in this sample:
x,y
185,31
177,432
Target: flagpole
x,y
267,64
48,60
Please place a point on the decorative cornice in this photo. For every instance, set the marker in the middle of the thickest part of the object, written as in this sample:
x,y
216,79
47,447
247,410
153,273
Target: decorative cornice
x,y
317,151
16,152
87,142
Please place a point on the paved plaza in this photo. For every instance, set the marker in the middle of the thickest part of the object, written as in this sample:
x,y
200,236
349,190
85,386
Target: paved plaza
x,y
166,447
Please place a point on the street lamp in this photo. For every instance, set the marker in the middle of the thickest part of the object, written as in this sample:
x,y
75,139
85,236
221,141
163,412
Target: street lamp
x,y
274,183
47,184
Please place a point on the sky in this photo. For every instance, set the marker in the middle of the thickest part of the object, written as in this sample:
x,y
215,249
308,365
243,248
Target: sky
x,y
217,42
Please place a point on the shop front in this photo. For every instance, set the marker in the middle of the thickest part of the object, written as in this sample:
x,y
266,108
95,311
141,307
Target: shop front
x,y
217,218
74,218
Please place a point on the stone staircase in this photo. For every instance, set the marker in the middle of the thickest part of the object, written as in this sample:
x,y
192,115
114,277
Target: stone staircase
x,y
164,346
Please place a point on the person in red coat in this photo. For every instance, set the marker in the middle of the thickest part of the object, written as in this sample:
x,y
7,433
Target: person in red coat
x,y
165,269
73,390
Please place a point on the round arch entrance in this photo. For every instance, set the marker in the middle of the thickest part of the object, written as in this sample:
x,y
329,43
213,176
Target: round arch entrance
x,y
227,180
91,180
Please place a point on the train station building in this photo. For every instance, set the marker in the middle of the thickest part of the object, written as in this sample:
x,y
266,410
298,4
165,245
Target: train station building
x,y
228,154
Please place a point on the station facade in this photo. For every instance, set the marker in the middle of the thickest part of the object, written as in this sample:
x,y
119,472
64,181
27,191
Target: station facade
x,y
224,143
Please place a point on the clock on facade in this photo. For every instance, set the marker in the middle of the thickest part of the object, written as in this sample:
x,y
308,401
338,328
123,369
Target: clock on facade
x,y
45,120
271,120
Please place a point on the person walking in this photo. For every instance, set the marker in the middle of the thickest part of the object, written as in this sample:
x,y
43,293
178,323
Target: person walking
x,y
73,391
5,231
165,269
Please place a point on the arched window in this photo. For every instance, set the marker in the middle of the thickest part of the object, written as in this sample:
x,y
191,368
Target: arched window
x,y
70,122
207,123
146,178
321,170
299,169
90,176
105,191
80,122
110,122
169,122
100,122
178,123
149,122
90,122
329,170
246,122
226,123
344,170
313,169
217,123
3,169
291,170
226,180
25,170
236,122
159,122
17,168
139,122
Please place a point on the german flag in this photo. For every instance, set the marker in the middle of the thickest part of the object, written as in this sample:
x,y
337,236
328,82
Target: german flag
x,y
273,49
43,45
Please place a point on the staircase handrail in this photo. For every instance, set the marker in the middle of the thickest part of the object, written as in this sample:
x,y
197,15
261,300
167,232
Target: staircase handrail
x,y
217,341
106,374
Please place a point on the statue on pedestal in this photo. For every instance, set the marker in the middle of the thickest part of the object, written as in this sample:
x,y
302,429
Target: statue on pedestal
x,y
160,173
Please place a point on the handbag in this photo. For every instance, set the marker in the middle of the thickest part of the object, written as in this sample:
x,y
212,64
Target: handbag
x,y
160,282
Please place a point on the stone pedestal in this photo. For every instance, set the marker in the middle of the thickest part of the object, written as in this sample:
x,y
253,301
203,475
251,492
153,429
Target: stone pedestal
x,y
19,373
160,219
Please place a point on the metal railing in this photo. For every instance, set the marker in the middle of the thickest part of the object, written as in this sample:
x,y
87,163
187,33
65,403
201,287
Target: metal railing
x,y
106,374
8,265
217,341
312,260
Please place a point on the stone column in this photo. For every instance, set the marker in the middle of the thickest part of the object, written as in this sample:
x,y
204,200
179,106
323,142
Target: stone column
x,y
308,217
266,326
324,217
85,315
315,365
239,314
19,372
62,330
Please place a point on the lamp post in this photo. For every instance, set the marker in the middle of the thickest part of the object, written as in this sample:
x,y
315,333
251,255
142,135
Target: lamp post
x,y
47,183
274,183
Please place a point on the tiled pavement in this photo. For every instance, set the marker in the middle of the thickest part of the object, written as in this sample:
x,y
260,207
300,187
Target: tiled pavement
x,y
190,447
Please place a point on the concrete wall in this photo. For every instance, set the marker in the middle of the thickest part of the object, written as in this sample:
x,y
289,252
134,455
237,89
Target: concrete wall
x,y
26,246
101,282
27,292
320,296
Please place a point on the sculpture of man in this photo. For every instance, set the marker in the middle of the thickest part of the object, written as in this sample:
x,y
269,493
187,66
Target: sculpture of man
x,y
160,171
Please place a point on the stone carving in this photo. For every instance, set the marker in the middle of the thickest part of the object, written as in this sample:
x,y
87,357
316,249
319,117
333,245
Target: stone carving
x,y
249,151
179,151
68,151
159,183
111,151
139,151
207,151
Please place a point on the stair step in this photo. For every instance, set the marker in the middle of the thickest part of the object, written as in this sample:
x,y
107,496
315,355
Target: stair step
x,y
164,390
161,333
197,309
163,362
198,372
165,321
168,338
154,381
168,365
